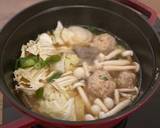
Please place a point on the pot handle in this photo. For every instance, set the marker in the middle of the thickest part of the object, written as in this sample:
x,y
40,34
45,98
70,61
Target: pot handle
x,y
24,122
144,9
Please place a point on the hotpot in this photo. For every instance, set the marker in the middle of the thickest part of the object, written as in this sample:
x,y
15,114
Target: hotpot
x,y
130,20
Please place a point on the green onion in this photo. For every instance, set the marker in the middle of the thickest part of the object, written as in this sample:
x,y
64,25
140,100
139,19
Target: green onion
x,y
53,59
54,76
37,62
93,29
40,64
17,65
103,77
39,93
28,61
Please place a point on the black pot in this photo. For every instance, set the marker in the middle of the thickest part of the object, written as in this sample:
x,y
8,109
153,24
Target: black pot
x,y
118,17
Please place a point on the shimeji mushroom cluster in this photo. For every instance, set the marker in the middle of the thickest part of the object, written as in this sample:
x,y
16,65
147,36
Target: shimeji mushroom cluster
x,y
110,106
116,65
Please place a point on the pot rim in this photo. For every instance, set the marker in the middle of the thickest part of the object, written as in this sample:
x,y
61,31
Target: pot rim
x,y
121,114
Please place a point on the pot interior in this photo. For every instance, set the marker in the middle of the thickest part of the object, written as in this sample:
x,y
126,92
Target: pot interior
x,y
108,15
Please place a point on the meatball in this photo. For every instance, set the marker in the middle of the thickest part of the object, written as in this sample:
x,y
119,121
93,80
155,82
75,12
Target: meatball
x,y
104,42
99,86
126,79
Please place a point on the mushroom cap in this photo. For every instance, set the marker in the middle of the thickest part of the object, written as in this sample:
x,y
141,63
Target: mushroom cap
x,y
89,117
104,42
79,73
109,102
99,86
95,109
126,79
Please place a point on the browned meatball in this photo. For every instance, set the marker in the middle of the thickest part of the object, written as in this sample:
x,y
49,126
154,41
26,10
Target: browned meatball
x,y
126,79
99,85
104,42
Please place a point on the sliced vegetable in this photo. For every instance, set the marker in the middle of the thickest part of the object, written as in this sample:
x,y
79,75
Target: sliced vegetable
x,y
80,108
39,93
53,59
28,61
54,76
71,61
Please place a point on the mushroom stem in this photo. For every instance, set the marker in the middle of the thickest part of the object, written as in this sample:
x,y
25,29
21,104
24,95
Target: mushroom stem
x,y
68,80
67,73
79,84
111,55
127,53
136,89
62,79
119,62
127,90
84,98
116,109
120,68
126,95
116,96
86,69
137,66
101,104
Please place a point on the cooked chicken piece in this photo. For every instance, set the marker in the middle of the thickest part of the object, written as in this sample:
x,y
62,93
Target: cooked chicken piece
x,y
104,42
99,85
126,79
86,53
